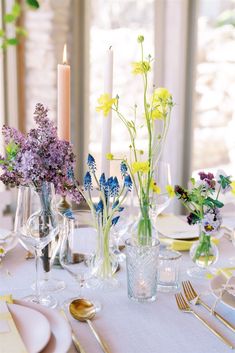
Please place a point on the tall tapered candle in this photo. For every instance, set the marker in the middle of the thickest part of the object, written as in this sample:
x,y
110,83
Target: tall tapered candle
x,y
107,121
63,102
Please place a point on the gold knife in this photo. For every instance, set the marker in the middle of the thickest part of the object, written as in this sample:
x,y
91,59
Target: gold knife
x,y
75,340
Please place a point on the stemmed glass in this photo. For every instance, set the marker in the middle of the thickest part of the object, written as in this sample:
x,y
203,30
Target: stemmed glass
x,y
162,177
118,232
35,231
78,247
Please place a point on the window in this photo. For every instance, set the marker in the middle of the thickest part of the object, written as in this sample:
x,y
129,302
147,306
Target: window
x,y
117,23
214,120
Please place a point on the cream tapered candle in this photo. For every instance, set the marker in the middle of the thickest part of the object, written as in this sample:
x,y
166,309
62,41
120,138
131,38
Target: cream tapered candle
x,y
63,102
107,121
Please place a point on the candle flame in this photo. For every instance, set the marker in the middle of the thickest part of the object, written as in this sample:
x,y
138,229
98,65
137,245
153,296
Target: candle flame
x,y
65,54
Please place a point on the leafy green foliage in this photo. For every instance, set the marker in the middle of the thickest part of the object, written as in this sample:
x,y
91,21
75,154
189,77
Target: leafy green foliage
x,y
11,18
12,41
33,3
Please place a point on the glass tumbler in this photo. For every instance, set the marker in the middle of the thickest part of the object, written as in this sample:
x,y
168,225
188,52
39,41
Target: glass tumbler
x,y
168,270
142,265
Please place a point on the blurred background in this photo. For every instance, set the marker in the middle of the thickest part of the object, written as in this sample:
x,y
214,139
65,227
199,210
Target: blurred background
x,y
192,42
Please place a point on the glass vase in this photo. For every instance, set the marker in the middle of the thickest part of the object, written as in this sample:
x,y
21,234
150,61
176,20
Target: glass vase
x,y
204,254
143,230
105,262
142,269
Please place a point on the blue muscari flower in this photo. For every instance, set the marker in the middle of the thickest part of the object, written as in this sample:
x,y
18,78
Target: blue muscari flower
x,y
99,207
102,181
123,168
115,204
87,181
115,220
128,182
120,209
114,187
108,187
91,163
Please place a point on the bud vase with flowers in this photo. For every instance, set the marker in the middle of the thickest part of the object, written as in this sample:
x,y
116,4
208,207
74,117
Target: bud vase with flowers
x,y
203,204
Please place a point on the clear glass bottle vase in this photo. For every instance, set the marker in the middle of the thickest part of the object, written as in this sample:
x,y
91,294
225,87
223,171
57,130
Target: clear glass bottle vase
x,y
204,253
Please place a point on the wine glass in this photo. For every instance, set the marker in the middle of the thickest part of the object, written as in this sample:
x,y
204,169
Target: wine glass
x,y
28,203
162,178
78,247
35,231
118,232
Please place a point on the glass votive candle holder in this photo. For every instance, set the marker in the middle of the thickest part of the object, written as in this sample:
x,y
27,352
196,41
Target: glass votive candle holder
x,y
168,270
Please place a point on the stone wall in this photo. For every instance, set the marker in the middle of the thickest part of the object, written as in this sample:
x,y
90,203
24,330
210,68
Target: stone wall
x,y
48,30
214,141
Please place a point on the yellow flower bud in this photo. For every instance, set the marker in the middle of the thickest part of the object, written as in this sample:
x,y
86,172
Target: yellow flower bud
x,y
109,156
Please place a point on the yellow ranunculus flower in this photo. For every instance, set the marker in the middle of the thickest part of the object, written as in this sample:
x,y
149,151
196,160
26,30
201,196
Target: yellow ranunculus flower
x,y
233,187
109,156
157,113
155,187
161,95
140,67
105,103
170,190
142,167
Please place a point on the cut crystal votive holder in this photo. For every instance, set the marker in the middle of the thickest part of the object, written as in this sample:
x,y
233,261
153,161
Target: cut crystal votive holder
x,y
168,270
142,264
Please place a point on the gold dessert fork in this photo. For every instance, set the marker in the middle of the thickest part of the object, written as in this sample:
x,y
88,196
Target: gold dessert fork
x,y
191,295
184,306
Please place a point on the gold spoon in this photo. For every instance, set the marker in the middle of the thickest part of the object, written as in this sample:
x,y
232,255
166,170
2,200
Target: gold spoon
x,y
84,310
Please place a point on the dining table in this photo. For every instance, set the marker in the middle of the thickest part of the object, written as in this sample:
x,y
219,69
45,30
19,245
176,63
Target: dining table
x,y
128,326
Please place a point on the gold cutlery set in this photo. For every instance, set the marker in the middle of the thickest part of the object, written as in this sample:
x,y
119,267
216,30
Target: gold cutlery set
x,y
193,298
84,311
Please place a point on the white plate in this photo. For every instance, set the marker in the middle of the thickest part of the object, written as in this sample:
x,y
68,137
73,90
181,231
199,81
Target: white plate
x,y
33,327
61,338
216,283
174,227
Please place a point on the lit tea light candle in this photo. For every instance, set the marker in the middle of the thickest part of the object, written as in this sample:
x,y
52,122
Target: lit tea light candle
x,y
167,275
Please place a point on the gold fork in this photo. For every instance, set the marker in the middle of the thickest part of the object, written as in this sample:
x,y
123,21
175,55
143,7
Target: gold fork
x,y
184,306
191,294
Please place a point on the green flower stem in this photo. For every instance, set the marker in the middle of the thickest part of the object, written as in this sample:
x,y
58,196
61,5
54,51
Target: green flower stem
x,y
203,248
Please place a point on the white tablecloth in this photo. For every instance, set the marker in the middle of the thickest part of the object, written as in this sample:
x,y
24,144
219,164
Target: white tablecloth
x,y
127,326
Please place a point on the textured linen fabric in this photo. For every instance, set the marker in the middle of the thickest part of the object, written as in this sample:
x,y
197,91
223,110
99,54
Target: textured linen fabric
x,y
127,326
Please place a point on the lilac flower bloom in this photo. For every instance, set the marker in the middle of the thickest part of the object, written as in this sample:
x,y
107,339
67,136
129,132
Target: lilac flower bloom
x,y
39,156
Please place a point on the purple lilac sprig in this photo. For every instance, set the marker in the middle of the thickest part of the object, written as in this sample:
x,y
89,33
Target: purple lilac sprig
x,y
39,156
111,193
202,200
